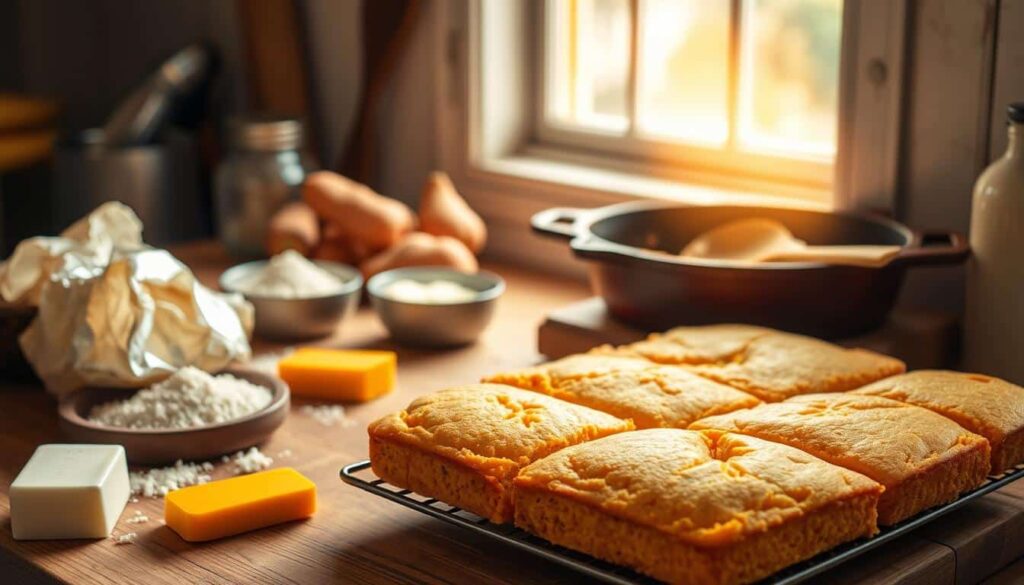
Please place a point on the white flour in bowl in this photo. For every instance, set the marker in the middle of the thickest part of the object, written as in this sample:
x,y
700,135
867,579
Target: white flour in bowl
x,y
437,292
289,275
188,399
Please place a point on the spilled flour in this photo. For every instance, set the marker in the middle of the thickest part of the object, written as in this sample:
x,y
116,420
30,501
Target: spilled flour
x,y
327,415
158,482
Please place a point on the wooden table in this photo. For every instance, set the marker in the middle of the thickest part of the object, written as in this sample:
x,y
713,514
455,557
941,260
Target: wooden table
x,y
357,538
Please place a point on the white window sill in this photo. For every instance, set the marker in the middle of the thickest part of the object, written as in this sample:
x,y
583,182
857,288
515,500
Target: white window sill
x,y
581,178
508,190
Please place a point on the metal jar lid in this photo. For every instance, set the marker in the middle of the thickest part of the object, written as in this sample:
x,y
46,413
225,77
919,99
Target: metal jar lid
x,y
265,132
1015,112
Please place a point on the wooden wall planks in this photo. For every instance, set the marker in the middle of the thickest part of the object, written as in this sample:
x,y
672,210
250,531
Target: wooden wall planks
x,y
945,130
1008,74
90,53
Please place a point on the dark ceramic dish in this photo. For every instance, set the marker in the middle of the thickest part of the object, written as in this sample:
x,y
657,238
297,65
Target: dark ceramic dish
x,y
151,447
633,248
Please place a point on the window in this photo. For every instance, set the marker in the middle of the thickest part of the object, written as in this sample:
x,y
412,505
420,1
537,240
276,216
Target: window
x,y
583,103
746,87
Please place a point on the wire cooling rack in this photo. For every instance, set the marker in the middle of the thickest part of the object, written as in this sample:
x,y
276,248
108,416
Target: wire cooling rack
x,y
361,476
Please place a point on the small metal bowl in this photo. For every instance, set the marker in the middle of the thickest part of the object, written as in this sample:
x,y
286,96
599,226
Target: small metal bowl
x,y
303,318
433,324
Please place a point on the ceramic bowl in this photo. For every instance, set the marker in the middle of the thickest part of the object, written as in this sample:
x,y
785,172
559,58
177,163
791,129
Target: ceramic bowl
x,y
153,447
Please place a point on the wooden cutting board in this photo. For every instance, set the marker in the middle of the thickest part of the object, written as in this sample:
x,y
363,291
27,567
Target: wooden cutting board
x,y
968,546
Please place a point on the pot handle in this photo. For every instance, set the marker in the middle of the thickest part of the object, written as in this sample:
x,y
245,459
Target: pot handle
x,y
559,222
936,247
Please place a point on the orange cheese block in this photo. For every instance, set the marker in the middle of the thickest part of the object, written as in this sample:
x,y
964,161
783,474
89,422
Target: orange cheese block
x,y
339,374
239,504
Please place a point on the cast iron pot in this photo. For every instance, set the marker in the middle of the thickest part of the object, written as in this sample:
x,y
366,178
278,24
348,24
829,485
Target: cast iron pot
x,y
634,266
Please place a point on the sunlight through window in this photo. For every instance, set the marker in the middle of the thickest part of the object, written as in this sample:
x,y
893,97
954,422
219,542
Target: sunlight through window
x,y
725,76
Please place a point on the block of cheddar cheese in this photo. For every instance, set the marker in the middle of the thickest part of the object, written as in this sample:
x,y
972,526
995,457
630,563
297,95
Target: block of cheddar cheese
x,y
339,374
239,504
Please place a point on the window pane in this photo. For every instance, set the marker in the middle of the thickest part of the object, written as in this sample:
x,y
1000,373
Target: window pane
x,y
588,63
684,70
789,80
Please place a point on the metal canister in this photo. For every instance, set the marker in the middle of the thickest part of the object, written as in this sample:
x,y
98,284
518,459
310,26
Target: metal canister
x,y
159,181
263,170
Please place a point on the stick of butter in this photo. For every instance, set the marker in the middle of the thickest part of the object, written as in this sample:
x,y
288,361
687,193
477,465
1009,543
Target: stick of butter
x,y
239,504
69,491
339,374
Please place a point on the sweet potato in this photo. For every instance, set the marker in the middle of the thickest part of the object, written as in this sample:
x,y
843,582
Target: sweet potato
x,y
422,249
366,217
443,212
335,251
294,227
336,246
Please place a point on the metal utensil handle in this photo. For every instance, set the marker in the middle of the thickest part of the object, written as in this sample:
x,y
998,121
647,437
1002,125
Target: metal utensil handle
x,y
559,222
951,248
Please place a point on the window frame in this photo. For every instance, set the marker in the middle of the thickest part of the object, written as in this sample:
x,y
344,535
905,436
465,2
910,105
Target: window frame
x,y
773,170
488,142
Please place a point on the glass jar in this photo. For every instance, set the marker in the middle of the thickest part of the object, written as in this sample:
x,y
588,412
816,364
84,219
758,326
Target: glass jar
x,y
263,170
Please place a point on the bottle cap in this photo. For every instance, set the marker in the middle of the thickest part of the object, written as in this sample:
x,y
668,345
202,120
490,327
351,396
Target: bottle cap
x,y
265,132
1015,112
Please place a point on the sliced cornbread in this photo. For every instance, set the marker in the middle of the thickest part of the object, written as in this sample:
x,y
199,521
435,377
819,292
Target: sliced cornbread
x,y
649,394
769,364
922,458
463,446
990,407
710,344
696,508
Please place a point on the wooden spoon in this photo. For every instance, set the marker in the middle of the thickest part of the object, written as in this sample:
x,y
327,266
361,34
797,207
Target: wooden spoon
x,y
766,240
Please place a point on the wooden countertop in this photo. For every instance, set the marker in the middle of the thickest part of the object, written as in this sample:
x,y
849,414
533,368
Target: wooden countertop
x,y
356,537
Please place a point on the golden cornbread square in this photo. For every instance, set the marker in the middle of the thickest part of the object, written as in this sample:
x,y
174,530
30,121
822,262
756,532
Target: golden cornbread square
x,y
771,365
707,344
651,395
922,458
464,445
692,507
988,406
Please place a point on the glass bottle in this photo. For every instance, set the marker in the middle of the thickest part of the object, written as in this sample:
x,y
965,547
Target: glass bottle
x,y
994,323
263,170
